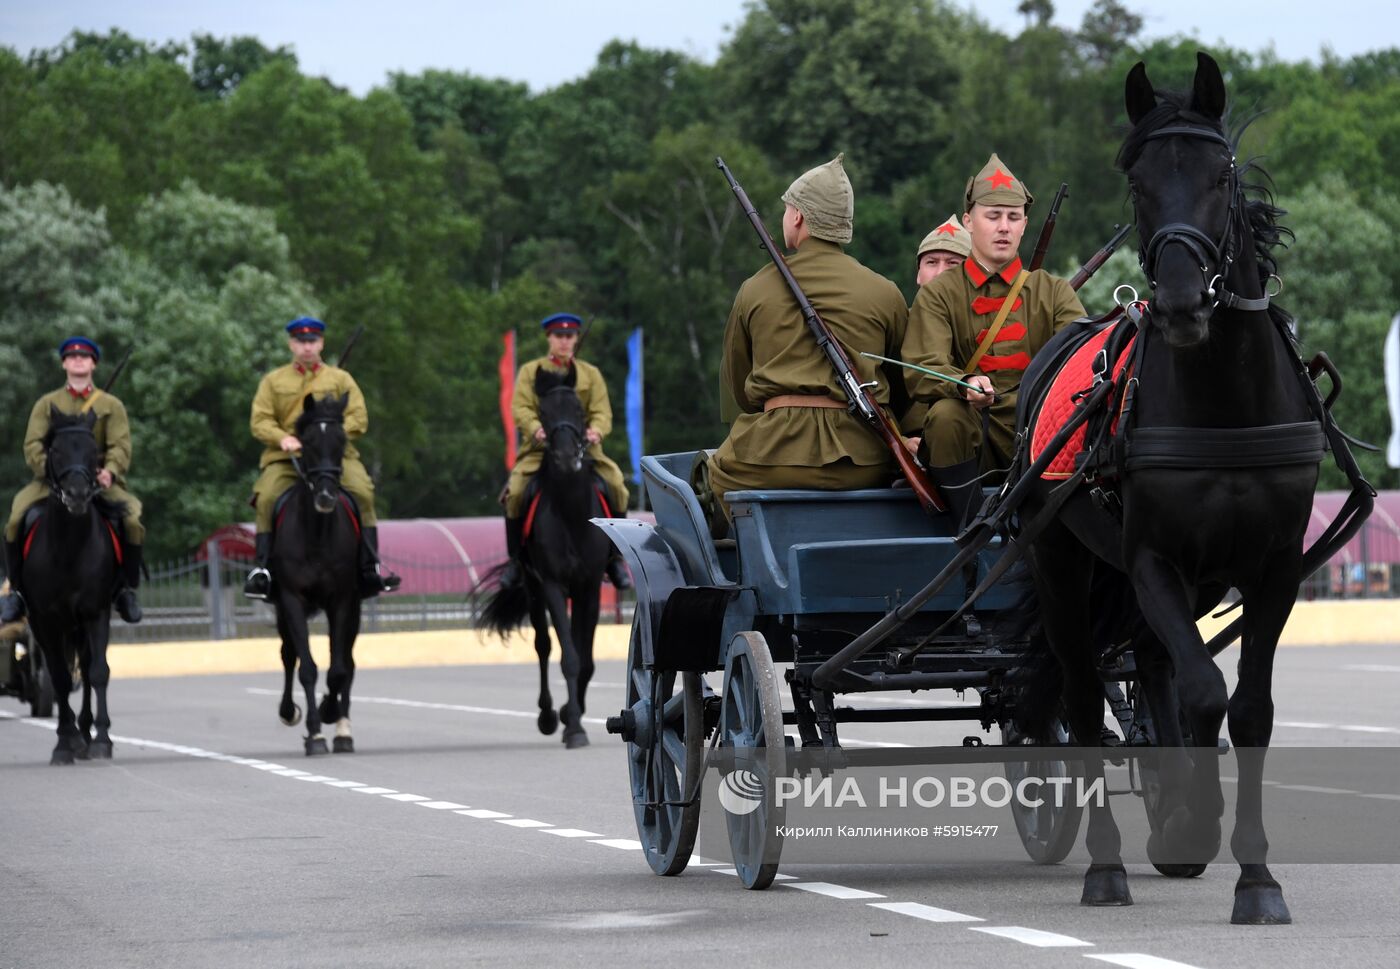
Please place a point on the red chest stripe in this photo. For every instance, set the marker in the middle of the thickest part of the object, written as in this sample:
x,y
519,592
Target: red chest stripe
x,y
990,304
1013,361
1010,331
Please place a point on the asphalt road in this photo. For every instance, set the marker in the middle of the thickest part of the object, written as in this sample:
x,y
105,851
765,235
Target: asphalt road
x,y
210,840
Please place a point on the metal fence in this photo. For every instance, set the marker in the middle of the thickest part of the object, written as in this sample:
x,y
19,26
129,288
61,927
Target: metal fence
x,y
201,597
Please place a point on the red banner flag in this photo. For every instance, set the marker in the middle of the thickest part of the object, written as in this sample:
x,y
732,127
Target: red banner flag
x,y
507,371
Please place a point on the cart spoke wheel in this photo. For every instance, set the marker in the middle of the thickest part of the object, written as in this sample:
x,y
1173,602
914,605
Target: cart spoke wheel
x,y
664,760
751,725
1048,831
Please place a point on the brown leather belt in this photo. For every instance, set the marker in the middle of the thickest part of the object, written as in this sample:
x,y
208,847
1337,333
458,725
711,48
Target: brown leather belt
x,y
802,400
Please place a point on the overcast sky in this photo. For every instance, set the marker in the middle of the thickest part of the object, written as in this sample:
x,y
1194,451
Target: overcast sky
x,y
356,43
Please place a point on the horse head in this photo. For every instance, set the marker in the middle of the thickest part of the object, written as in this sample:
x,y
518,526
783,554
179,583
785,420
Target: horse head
x,y
563,420
71,461
321,430
1186,195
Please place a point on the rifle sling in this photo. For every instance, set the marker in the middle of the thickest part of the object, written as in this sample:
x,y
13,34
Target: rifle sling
x,y
92,399
1004,312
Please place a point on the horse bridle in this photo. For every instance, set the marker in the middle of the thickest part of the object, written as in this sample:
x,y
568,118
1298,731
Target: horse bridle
x,y
1206,251
580,435
88,474
309,475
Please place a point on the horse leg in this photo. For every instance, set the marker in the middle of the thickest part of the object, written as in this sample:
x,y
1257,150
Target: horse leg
x,y
288,710
568,660
85,715
548,721
1193,802
296,628
1258,897
1062,570
97,674
50,639
344,622
585,624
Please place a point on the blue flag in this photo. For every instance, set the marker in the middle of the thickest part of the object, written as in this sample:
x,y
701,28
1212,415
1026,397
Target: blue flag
x,y
634,402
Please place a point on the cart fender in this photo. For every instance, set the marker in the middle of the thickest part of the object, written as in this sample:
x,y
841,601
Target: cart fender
x,y
656,572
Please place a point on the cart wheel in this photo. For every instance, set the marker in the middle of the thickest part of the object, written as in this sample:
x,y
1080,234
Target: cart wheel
x,y
1048,832
751,724
41,694
665,758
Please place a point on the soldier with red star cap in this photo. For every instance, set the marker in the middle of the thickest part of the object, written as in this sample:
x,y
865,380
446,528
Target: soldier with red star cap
x,y
953,330
945,248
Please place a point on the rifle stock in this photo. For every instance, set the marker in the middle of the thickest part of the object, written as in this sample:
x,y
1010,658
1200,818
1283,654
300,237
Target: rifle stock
x,y
117,371
1097,260
1047,230
349,345
859,399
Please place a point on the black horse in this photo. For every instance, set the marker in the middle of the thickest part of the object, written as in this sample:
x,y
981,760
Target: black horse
x,y
1215,493
314,558
564,556
71,569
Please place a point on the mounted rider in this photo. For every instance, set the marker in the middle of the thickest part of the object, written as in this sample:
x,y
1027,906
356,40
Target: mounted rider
x,y
112,430
953,328
562,332
793,428
276,406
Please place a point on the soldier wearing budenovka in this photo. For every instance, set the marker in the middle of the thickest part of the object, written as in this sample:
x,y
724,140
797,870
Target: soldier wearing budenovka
x,y
793,429
562,331
944,249
951,328
112,430
279,402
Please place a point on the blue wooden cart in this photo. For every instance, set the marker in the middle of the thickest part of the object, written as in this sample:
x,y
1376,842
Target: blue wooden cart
x,y
805,573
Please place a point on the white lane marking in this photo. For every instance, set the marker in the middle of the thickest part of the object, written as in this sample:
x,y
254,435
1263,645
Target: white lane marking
x,y
484,814
833,891
926,912
697,862
1035,937
1351,727
316,778
1313,789
524,823
1138,960
406,797
374,790
1383,797
292,772
1371,668
735,872
573,833
442,805
345,784
626,844
265,766
427,705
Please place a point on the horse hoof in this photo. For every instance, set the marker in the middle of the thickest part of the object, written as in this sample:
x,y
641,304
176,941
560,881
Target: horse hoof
x,y
343,745
62,757
1184,841
573,741
1180,871
316,745
100,750
1106,885
1260,903
294,719
548,721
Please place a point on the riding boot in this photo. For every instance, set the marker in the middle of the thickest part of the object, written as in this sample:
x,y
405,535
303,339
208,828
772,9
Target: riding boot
x,y
12,605
259,582
371,581
617,571
515,532
127,606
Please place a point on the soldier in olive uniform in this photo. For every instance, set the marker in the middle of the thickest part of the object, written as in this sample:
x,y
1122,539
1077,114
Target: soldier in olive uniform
x,y
952,317
279,402
79,357
562,333
946,247
793,429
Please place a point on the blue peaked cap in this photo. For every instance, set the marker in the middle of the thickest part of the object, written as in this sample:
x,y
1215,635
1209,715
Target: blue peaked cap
x,y
306,325
562,321
79,344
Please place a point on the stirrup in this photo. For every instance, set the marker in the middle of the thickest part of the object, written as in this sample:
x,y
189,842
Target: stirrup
x,y
617,574
258,585
128,606
12,607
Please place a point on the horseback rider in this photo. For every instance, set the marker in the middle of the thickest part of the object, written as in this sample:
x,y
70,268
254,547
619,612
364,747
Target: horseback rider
x,y
793,429
953,328
946,247
112,430
562,332
279,402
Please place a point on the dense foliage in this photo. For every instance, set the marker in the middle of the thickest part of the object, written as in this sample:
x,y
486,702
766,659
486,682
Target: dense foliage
x,y
188,198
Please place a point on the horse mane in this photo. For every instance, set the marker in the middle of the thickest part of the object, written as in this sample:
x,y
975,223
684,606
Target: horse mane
x,y
1262,217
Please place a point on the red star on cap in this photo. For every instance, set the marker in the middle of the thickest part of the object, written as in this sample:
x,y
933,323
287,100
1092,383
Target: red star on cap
x,y
999,179
947,229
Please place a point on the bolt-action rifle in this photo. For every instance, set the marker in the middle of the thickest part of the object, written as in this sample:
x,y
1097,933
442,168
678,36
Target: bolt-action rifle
x,y
1047,229
858,397
1097,260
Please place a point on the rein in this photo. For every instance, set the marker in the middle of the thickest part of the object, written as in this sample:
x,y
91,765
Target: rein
x,y
88,474
307,475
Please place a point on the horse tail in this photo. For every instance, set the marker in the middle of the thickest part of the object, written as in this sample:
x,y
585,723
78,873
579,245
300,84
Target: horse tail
x,y
505,609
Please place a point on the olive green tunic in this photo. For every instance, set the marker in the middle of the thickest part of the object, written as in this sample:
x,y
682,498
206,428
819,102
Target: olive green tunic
x,y
944,329
770,352
113,433
280,399
592,392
